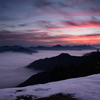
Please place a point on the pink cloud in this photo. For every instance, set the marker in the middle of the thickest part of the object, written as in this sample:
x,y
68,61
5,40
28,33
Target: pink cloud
x,y
78,24
46,38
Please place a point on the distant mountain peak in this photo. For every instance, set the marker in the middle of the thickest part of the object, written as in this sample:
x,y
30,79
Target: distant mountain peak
x,y
40,46
58,45
64,54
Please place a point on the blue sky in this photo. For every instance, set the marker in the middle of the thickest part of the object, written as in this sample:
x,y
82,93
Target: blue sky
x,y
49,22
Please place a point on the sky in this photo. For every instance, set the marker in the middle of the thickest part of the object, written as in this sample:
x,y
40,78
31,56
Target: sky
x,y
49,22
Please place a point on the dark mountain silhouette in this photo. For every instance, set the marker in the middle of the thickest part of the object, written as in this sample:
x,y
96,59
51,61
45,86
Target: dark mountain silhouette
x,y
60,47
57,46
39,48
62,59
16,49
82,47
87,65
40,78
32,49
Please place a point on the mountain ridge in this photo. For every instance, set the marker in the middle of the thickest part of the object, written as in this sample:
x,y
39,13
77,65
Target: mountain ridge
x,y
16,48
88,66
60,47
50,63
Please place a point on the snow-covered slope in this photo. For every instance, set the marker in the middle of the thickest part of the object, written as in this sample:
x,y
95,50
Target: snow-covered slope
x,y
85,88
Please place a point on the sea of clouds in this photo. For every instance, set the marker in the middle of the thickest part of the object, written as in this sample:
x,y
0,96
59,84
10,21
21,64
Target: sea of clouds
x,y
12,65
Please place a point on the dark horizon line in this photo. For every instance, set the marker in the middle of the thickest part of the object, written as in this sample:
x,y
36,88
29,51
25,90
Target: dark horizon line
x,y
54,45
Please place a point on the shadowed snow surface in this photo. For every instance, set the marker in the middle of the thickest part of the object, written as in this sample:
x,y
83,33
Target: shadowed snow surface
x,y
85,88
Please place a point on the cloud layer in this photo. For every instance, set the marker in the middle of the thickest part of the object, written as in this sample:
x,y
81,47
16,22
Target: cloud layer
x,y
47,39
46,22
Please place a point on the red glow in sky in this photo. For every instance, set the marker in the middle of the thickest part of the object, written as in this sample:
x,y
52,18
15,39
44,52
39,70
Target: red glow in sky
x,y
47,22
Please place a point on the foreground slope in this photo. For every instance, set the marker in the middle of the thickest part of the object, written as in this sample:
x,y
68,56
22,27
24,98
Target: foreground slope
x,y
85,88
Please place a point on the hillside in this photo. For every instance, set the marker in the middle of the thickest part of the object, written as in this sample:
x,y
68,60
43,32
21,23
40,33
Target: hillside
x,y
66,68
62,59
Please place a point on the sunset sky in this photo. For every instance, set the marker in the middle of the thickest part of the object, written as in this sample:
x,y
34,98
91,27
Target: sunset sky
x,y
49,22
